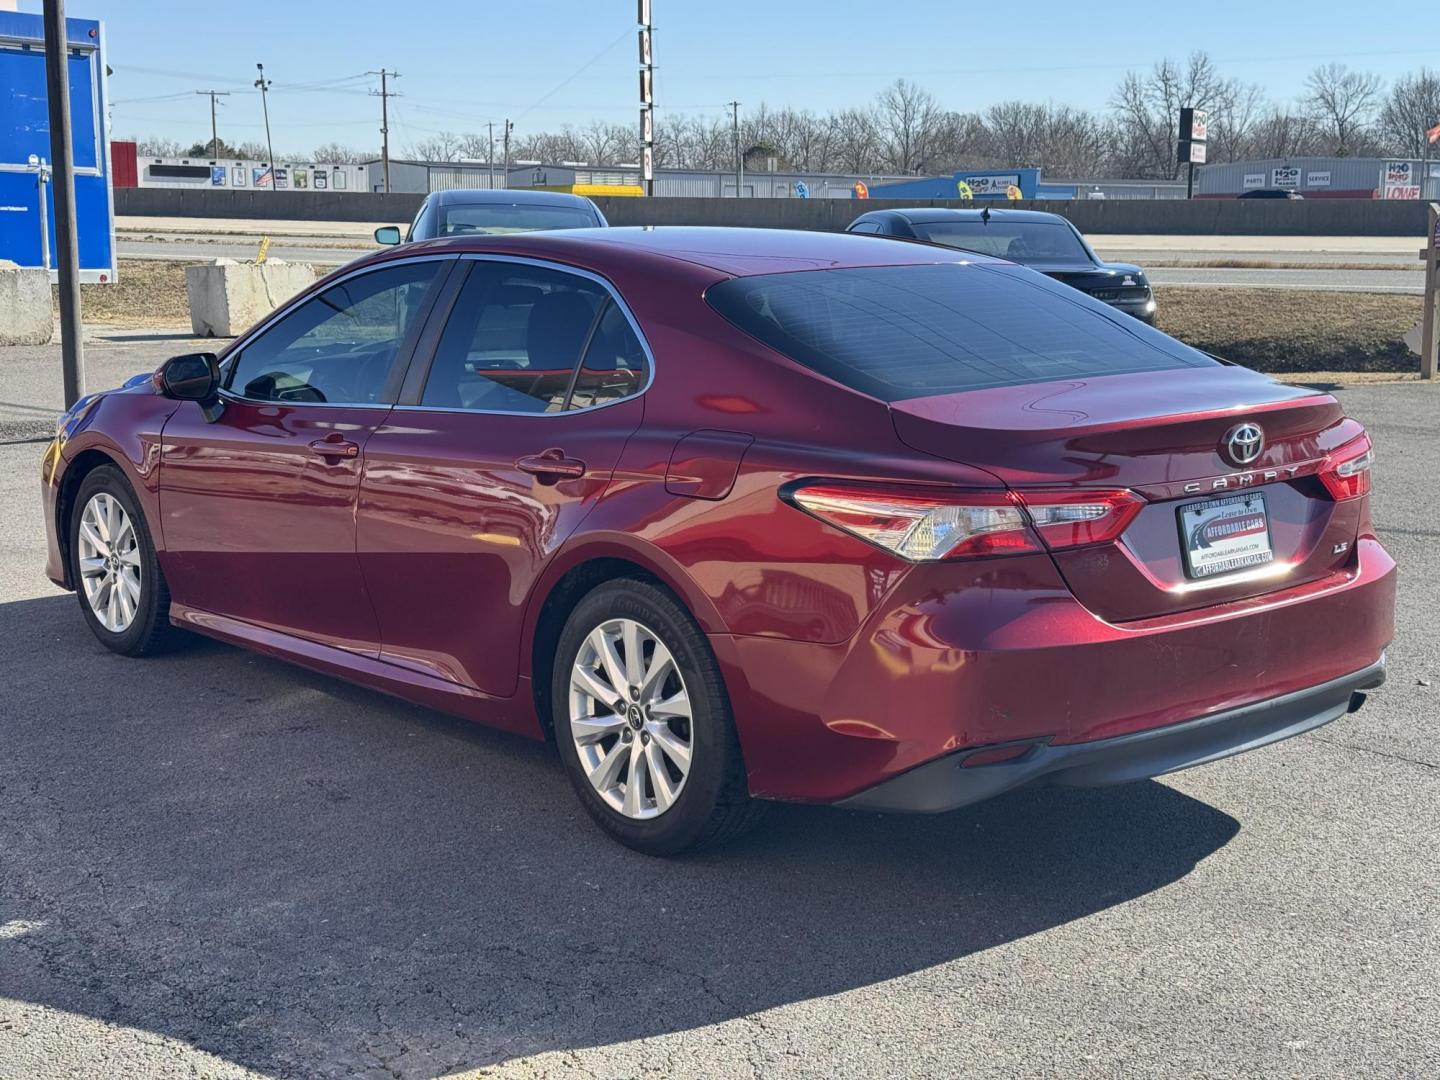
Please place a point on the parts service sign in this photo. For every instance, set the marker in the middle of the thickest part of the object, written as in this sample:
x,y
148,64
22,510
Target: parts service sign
x,y
1400,181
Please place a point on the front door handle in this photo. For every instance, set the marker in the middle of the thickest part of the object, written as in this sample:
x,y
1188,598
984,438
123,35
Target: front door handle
x,y
552,465
335,446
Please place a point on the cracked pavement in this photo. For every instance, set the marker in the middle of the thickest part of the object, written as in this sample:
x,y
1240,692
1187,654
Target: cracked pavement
x,y
213,864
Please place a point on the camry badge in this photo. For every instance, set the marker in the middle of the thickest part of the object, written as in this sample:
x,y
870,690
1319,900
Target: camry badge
x,y
1242,443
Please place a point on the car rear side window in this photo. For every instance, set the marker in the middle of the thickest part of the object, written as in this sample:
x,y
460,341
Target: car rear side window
x,y
898,332
513,339
614,364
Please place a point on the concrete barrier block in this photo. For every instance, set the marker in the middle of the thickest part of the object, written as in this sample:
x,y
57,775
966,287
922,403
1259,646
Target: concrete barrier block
x,y
228,297
26,316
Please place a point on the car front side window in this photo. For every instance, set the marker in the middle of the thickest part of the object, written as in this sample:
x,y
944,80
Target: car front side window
x,y
341,346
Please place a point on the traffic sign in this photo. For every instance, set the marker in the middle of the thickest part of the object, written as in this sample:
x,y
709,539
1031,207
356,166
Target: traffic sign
x,y
802,190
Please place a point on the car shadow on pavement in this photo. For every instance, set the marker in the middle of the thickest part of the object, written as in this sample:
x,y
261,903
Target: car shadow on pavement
x,y
306,878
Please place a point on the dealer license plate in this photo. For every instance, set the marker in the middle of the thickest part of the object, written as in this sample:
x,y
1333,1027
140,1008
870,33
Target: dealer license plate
x,y
1221,535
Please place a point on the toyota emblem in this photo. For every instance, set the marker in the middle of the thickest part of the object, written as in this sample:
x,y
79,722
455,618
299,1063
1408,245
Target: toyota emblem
x,y
1243,443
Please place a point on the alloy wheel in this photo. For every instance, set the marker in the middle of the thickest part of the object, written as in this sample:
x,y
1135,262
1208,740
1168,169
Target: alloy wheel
x,y
630,718
109,562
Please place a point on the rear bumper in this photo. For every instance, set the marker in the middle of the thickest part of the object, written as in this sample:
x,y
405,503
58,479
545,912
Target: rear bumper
x,y
946,783
973,654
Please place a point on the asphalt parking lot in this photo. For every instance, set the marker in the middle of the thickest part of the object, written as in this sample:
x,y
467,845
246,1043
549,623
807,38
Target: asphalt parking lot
x,y
213,864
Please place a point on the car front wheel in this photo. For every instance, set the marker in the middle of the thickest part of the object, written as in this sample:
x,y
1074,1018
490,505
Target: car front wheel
x,y
643,723
117,577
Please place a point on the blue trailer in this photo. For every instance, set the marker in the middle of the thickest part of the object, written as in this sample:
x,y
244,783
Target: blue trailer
x,y
27,204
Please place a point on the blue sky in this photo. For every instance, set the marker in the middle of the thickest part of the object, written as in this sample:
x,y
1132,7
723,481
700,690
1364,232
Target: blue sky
x,y
546,63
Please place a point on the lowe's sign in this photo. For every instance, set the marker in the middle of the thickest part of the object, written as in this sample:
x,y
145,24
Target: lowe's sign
x,y
27,203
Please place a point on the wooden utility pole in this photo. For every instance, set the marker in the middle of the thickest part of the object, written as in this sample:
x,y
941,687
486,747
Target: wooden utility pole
x,y
505,178
62,157
385,94
214,132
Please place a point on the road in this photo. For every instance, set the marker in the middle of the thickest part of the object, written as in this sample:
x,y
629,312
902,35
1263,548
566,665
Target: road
x,y
233,241
215,864
1332,280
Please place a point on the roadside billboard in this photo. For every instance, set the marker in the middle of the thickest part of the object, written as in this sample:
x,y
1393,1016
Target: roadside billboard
x,y
27,203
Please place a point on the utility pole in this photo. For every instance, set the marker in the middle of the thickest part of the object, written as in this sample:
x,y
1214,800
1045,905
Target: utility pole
x,y
62,155
490,154
509,127
735,133
263,85
385,94
214,135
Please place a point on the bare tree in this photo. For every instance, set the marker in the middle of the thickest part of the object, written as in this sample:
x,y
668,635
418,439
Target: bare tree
x,y
340,154
1147,112
857,141
1411,108
1342,102
1233,117
154,146
907,121
442,146
1056,138
1283,133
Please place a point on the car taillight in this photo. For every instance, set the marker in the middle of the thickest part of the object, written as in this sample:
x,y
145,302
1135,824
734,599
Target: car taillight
x,y
923,527
1346,474
1074,518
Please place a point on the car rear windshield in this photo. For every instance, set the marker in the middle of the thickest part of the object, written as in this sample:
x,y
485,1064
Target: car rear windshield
x,y
898,332
488,219
1018,241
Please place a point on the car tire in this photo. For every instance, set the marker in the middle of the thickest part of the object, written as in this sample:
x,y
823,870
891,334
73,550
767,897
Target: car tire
x,y
655,761
117,576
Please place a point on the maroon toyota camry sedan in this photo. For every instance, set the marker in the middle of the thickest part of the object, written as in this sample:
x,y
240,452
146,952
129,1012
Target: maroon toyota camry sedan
x,y
739,515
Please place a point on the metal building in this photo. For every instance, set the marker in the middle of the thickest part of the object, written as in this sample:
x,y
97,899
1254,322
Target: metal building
x,y
1323,178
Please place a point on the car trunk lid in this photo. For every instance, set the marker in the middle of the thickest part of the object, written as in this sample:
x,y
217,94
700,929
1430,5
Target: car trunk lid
x,y
1160,435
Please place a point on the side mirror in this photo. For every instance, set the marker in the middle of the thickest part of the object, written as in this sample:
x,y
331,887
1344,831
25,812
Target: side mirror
x,y
192,377
387,234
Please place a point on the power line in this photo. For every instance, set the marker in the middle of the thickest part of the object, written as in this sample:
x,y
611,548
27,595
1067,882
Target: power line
x,y
572,76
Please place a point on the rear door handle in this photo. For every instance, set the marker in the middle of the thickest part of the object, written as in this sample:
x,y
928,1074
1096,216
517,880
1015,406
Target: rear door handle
x,y
335,446
552,465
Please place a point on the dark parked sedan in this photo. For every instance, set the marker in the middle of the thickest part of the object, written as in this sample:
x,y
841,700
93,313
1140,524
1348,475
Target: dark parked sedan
x,y
734,515
1045,242
483,212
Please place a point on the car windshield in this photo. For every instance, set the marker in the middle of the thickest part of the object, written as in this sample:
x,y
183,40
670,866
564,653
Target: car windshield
x,y
1018,241
898,332
489,219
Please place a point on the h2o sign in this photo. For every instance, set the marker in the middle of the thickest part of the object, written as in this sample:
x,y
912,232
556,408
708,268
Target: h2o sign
x,y
1286,176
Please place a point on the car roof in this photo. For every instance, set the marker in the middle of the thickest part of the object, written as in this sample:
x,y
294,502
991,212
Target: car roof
x,y
929,215
508,197
731,252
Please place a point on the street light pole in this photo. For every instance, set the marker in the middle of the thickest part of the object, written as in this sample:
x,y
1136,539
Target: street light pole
x,y
264,86
735,133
